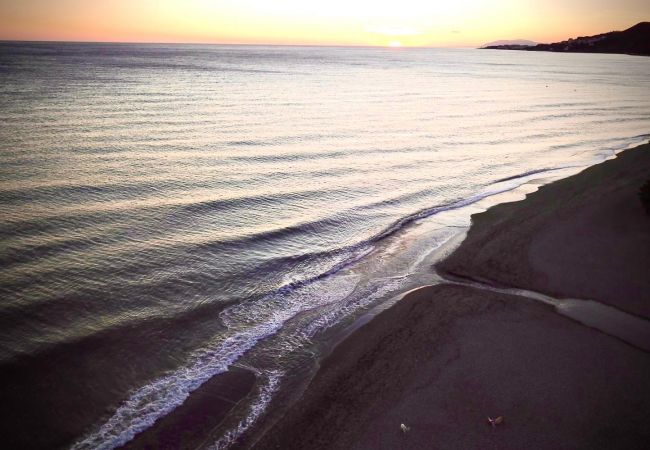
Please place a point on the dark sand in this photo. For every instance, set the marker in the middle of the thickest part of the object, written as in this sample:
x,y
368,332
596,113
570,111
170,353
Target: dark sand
x,y
446,357
191,424
585,237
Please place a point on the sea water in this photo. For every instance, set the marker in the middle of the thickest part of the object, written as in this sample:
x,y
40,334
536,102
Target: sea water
x,y
171,210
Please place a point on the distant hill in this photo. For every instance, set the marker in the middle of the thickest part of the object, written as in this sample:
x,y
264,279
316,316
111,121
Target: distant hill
x,y
520,42
633,41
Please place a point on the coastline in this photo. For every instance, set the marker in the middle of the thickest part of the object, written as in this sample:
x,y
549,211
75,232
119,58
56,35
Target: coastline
x,y
447,356
585,237
176,275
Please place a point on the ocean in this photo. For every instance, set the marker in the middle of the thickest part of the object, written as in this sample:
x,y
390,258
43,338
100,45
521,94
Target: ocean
x,y
169,211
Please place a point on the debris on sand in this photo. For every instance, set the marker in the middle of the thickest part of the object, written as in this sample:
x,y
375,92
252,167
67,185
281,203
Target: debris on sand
x,y
496,421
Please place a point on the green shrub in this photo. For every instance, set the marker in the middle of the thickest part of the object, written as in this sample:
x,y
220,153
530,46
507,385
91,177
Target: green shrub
x,y
644,193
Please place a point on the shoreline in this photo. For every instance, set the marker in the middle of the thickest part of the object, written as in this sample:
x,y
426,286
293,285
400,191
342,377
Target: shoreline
x,y
427,345
584,237
192,423
200,419
180,277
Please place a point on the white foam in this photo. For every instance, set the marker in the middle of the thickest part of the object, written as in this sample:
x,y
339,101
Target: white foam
x,y
249,323
257,407
265,317
159,398
336,314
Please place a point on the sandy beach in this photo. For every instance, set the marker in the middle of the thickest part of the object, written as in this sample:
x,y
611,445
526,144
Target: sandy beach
x,y
191,424
586,237
447,357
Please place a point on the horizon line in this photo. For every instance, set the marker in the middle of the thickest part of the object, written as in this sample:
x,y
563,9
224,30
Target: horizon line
x,y
56,41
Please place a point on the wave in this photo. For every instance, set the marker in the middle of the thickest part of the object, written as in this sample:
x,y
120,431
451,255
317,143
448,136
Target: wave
x,y
349,254
71,193
258,406
249,200
250,324
162,396
610,150
323,155
289,139
17,323
531,172
311,266
159,398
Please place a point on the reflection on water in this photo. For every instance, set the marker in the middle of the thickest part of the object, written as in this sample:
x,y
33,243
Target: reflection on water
x,y
163,203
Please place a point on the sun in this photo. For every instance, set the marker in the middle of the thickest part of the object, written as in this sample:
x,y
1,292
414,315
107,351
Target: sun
x,y
395,44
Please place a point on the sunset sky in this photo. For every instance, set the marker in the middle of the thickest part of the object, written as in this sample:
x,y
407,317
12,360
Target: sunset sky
x,y
337,22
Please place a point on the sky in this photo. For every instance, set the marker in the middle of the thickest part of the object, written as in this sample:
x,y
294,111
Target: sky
x,y
434,23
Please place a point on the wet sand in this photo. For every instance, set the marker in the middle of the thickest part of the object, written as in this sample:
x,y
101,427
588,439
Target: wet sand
x,y
446,357
585,237
51,400
191,424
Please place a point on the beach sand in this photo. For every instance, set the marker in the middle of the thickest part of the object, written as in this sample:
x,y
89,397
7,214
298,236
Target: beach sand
x,y
446,357
191,424
585,237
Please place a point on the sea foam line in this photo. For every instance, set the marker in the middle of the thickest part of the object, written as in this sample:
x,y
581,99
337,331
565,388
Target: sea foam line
x,y
259,405
159,398
162,396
